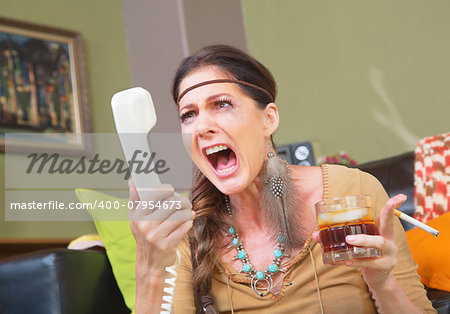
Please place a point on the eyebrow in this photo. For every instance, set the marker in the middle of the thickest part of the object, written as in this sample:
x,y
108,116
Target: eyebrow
x,y
210,98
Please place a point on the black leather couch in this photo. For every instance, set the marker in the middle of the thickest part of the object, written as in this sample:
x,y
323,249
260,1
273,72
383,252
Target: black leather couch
x,y
81,282
59,281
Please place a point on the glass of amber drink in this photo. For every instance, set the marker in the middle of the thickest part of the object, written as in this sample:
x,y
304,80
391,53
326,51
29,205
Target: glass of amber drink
x,y
340,217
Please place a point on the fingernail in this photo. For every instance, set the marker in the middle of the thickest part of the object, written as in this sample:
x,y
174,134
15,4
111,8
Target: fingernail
x,y
193,213
350,238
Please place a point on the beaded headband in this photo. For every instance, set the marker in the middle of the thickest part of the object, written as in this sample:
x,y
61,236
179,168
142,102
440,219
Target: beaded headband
x,y
272,98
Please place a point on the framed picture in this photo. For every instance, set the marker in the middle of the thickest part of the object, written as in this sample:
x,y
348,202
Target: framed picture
x,y
43,96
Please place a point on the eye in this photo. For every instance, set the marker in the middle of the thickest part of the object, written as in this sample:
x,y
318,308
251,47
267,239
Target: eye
x,y
185,117
223,104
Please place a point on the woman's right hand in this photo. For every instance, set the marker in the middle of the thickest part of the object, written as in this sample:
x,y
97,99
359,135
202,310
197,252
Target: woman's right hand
x,y
158,231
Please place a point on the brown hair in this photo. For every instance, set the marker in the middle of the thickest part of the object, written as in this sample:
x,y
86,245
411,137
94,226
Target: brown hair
x,y
211,218
236,63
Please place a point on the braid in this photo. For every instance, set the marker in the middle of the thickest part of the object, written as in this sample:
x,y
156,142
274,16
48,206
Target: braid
x,y
209,225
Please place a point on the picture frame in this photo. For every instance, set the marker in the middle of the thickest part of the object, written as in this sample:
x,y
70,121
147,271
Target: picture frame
x,y
43,92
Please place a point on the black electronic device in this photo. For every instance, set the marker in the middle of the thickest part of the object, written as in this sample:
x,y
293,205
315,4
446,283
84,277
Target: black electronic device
x,y
297,154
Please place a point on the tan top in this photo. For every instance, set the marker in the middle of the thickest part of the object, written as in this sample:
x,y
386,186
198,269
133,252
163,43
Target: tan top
x,y
340,288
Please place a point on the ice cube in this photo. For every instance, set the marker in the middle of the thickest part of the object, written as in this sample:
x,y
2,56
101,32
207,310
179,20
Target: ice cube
x,y
347,215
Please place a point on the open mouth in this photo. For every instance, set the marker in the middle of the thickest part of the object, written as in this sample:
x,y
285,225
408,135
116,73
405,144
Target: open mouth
x,y
222,158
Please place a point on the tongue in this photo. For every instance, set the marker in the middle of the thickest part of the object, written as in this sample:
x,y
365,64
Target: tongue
x,y
225,161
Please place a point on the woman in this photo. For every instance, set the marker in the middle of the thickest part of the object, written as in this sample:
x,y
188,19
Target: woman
x,y
248,204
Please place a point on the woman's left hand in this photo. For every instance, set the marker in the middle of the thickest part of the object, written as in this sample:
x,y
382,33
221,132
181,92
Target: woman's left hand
x,y
377,271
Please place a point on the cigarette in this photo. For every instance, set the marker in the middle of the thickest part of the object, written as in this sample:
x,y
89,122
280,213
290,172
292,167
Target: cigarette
x,y
416,223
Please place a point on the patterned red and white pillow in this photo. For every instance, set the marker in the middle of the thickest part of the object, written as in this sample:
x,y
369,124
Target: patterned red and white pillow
x,y
431,177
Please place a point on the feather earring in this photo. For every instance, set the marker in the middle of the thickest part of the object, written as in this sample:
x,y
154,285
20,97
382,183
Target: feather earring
x,y
280,201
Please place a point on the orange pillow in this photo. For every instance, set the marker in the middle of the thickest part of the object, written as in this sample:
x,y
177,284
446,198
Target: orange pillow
x,y
432,254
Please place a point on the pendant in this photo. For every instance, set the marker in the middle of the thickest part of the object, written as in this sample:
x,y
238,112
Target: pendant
x,y
266,282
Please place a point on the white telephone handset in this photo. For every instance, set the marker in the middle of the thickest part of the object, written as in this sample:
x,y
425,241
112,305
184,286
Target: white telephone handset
x,y
134,116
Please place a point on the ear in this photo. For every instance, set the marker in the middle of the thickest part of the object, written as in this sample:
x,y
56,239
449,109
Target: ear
x,y
271,119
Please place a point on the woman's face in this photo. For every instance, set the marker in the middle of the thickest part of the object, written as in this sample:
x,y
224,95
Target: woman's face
x,y
229,132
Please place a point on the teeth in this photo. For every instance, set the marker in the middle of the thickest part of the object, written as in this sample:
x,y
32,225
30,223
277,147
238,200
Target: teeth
x,y
226,170
215,149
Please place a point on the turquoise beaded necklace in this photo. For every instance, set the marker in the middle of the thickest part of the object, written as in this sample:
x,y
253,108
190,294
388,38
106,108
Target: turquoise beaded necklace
x,y
261,281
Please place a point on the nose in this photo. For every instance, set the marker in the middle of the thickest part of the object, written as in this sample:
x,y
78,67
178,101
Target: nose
x,y
206,125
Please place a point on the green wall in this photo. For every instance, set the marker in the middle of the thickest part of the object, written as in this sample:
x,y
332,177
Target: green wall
x,y
101,24
367,77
